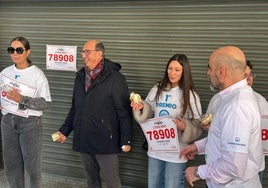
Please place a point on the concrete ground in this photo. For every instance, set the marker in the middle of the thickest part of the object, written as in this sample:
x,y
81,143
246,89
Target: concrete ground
x,y
50,182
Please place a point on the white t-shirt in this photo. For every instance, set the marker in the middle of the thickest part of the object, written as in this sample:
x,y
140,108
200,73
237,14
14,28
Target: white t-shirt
x,y
169,103
33,76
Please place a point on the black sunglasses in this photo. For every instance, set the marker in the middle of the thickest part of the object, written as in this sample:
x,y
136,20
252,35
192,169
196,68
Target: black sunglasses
x,y
11,50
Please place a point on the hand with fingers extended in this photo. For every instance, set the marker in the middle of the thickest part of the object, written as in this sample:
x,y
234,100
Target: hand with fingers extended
x,y
189,151
14,95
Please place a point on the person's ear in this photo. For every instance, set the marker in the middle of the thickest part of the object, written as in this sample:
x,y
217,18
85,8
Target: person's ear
x,y
222,72
28,53
100,54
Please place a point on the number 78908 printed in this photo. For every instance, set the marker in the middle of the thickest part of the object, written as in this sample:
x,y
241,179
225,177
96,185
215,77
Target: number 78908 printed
x,y
161,134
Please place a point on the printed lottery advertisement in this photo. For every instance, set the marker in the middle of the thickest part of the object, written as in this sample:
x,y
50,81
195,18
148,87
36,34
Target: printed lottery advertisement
x,y
161,134
24,89
61,57
264,123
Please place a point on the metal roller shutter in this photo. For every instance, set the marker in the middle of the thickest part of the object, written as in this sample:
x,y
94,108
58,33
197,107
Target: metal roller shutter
x,y
142,36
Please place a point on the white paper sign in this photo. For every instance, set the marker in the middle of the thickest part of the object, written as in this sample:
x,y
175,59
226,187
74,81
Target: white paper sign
x,y
264,124
23,88
161,134
61,57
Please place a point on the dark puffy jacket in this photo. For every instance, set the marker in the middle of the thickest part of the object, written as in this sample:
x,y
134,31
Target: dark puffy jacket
x,y
101,119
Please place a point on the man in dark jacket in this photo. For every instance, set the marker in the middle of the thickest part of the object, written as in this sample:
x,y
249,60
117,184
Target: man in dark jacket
x,y
100,116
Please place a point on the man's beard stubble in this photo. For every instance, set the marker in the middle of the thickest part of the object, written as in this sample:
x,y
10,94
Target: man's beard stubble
x,y
214,89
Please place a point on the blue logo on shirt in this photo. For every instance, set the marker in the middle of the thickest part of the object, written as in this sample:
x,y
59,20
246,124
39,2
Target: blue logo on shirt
x,y
163,113
166,105
237,139
237,142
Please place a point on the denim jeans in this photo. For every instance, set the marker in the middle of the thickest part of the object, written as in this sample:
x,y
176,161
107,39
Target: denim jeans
x,y
162,174
21,140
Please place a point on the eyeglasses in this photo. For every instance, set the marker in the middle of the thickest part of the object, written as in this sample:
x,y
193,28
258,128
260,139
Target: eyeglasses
x,y
11,50
87,52
251,74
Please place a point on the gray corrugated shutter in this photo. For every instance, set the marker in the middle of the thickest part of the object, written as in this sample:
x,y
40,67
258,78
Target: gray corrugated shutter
x,y
142,36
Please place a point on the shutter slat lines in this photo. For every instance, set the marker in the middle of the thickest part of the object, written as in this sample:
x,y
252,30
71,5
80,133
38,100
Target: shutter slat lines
x,y
141,36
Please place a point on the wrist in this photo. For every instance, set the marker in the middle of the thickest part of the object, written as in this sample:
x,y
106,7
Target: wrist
x,y
196,173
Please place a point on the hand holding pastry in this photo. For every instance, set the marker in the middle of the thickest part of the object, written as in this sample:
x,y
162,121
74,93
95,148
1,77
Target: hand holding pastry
x,y
136,101
58,137
55,136
206,119
135,97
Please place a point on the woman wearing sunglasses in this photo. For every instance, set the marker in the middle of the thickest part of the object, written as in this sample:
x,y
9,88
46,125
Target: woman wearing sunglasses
x,y
24,95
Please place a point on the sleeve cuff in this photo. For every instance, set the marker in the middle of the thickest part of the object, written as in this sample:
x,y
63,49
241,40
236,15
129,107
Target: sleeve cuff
x,y
200,144
203,171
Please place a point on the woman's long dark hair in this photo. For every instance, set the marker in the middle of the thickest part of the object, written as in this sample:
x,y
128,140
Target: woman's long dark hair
x,y
25,43
186,83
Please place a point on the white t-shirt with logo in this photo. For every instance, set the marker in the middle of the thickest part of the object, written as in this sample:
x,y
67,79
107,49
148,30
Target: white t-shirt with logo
x,y
169,103
233,135
33,76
